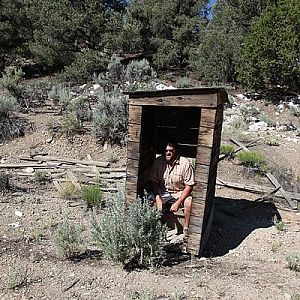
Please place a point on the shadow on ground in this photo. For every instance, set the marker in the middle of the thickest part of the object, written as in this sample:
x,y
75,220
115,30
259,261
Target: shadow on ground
x,y
234,220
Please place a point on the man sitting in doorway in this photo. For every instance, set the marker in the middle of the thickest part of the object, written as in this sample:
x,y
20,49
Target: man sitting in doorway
x,y
172,181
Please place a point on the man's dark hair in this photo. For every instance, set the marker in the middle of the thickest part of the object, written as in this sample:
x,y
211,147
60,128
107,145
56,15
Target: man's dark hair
x,y
171,143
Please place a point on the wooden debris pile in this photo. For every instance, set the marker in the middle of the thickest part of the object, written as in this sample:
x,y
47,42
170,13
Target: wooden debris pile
x,y
86,171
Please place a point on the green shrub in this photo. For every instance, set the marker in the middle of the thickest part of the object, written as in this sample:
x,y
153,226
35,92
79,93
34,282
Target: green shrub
x,y
11,81
70,126
183,82
279,224
40,176
12,127
81,108
67,240
132,234
265,118
294,262
84,66
143,295
251,159
110,118
226,149
139,70
92,196
271,140
7,104
16,276
61,95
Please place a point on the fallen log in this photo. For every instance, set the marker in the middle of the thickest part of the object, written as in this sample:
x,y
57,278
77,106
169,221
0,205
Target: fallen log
x,y
256,189
287,197
27,165
43,158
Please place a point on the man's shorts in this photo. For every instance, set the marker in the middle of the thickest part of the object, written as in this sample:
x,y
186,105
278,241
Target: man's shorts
x,y
168,198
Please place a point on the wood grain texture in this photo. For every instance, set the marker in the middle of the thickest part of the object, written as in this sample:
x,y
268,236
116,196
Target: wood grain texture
x,y
208,118
204,100
134,132
134,114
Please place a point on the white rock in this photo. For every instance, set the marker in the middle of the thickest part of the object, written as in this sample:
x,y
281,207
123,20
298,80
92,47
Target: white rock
x,y
29,170
14,225
96,86
259,126
82,86
161,86
18,213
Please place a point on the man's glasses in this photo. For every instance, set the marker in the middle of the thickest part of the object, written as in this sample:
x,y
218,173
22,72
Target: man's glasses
x,y
170,150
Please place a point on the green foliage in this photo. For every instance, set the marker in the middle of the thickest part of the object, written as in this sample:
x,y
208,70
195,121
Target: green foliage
x,y
168,29
271,50
67,240
294,262
8,104
92,195
226,149
85,64
74,35
135,233
251,159
295,296
15,30
40,176
70,126
217,57
110,118
16,276
267,119
183,82
271,140
143,295
279,224
10,81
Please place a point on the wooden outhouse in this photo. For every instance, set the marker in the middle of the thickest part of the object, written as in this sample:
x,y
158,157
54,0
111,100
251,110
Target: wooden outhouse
x,y
192,117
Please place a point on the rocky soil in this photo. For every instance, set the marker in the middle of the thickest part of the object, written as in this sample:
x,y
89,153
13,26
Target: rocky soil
x,y
245,256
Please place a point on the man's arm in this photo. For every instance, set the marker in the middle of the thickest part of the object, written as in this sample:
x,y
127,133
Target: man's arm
x,y
155,190
185,193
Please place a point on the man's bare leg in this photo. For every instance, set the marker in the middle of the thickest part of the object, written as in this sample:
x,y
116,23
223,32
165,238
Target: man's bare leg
x,y
187,212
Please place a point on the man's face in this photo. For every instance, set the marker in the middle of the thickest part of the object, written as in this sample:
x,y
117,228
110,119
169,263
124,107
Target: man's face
x,y
170,154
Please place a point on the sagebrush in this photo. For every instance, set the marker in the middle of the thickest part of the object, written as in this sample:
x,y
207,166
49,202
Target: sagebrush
x,y
110,118
67,240
133,233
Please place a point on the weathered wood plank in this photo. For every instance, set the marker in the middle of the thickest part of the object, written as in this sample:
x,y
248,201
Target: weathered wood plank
x,y
289,200
200,194
204,100
132,167
208,118
202,168
134,114
134,132
203,155
193,244
256,189
206,136
133,150
46,158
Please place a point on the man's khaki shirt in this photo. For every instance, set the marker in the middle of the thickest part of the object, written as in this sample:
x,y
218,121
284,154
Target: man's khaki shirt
x,y
172,178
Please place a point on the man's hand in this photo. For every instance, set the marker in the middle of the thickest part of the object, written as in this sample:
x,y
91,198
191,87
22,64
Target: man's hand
x,y
175,206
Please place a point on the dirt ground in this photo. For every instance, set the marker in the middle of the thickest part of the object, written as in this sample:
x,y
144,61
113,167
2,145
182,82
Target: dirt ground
x,y
245,257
